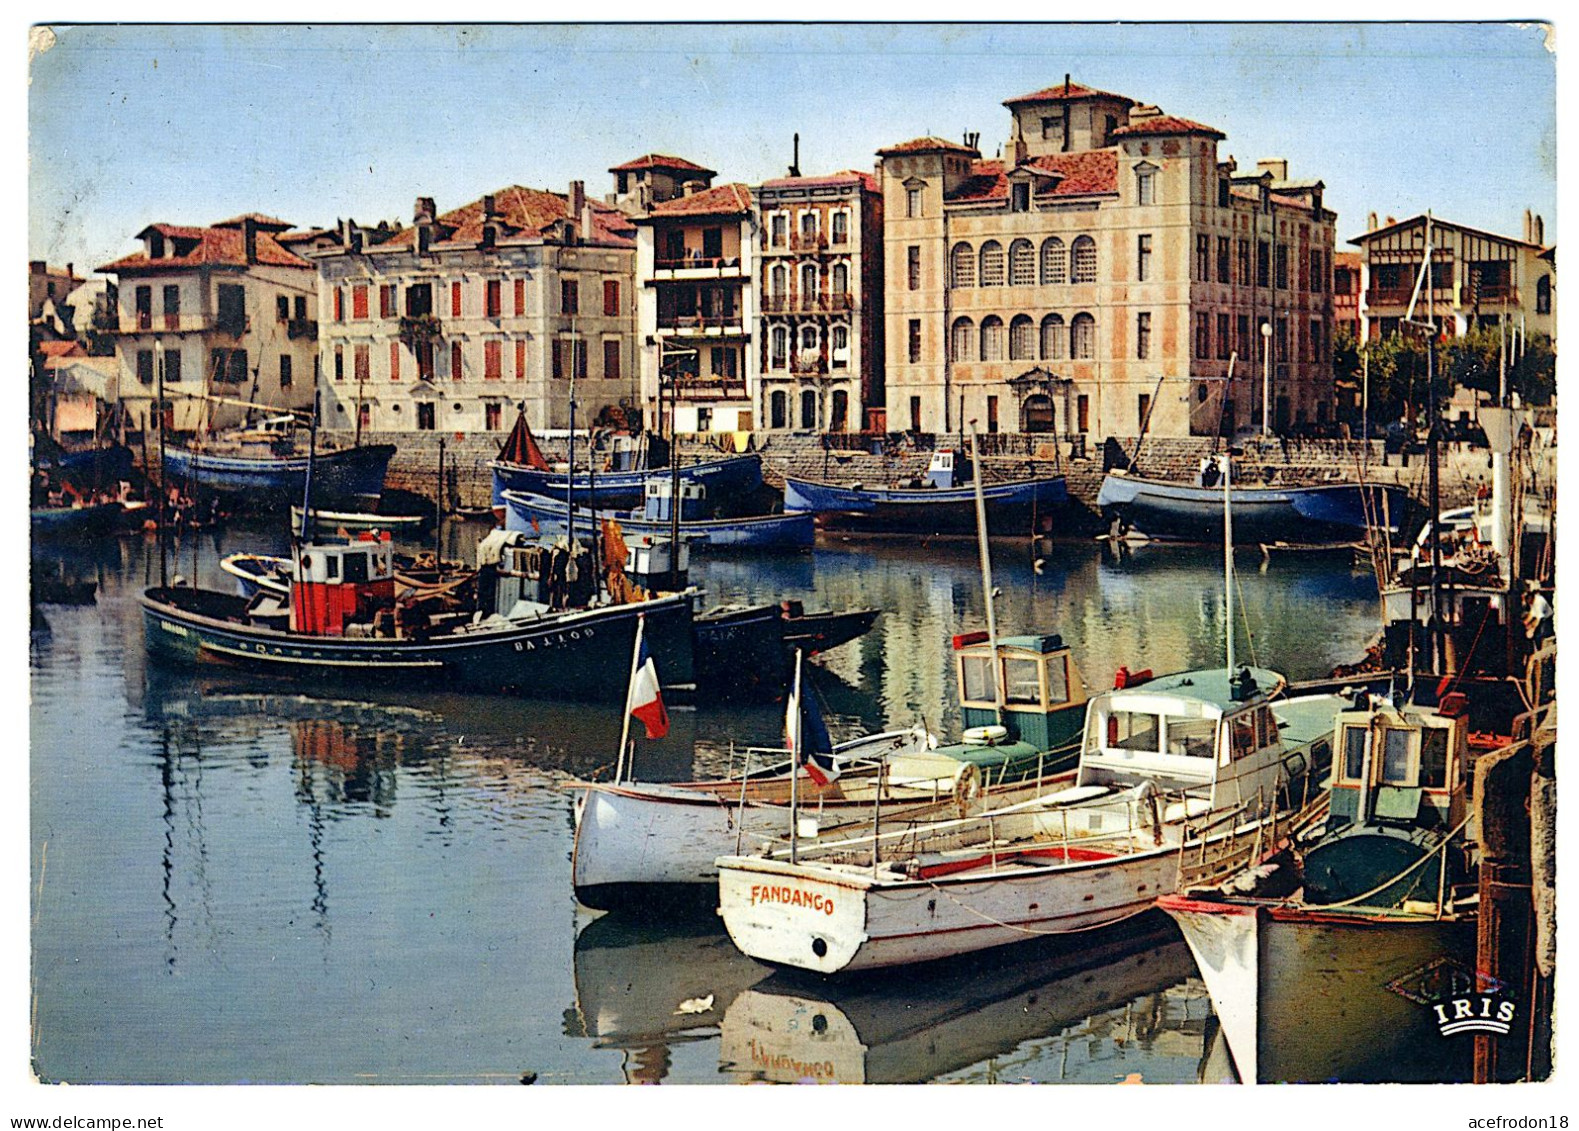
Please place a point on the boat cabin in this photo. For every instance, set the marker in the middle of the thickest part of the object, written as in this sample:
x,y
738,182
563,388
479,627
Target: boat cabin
x,y
693,501
650,561
1041,687
1206,734
517,578
341,583
942,472
1403,765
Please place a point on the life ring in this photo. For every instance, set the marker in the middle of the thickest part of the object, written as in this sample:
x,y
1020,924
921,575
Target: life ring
x,y
986,736
966,787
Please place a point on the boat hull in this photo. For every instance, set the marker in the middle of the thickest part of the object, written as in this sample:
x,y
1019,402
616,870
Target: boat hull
x,y
1303,995
751,651
332,522
541,515
1332,512
346,475
577,655
66,523
723,479
1012,508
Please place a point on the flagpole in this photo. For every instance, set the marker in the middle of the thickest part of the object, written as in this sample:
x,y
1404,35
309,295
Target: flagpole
x,y
795,745
625,726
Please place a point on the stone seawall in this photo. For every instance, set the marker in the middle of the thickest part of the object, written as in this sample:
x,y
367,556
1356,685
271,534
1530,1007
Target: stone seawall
x,y
468,482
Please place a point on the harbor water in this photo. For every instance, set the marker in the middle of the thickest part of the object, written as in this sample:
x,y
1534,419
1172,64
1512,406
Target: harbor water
x,y
238,878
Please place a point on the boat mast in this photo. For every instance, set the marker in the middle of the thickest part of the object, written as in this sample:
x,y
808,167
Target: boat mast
x,y
312,455
986,579
164,492
438,517
1227,464
795,745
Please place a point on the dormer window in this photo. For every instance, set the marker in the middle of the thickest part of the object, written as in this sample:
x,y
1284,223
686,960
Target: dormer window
x,y
156,246
1145,184
1020,196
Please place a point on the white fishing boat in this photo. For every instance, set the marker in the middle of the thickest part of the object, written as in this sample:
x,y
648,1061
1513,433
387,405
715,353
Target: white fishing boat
x,y
1182,777
632,836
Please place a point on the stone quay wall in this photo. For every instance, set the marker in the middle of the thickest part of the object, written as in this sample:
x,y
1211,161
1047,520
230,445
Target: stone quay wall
x,y
1463,469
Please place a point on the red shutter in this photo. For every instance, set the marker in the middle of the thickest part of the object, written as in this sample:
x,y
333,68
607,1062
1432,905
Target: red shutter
x,y
359,302
394,361
455,354
611,358
364,363
339,305
520,360
492,370
611,297
492,297
520,296
455,300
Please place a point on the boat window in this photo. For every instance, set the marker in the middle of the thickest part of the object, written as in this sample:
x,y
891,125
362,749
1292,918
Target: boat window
x,y
1022,683
331,567
356,567
976,679
1058,679
1354,752
1395,755
1433,758
1191,738
1244,735
1132,730
1266,728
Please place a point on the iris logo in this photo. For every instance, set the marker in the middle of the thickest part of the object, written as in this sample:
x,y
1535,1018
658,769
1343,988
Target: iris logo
x,y
1481,1014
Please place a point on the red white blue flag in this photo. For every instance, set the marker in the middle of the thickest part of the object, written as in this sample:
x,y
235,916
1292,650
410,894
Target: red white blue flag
x,y
644,701
807,737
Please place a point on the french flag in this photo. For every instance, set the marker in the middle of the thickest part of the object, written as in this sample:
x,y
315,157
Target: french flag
x,y
807,736
644,700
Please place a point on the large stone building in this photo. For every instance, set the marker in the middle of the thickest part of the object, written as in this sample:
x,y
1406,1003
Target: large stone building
x,y
1100,276
696,308
1477,278
225,312
821,339
454,322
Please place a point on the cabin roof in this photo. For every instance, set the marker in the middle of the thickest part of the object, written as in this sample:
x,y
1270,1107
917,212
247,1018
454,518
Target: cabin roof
x,y
1308,717
1209,686
1049,642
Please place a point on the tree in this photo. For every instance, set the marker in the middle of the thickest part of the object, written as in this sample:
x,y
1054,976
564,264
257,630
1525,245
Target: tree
x,y
1476,362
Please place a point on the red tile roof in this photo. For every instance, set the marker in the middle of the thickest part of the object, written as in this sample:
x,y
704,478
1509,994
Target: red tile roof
x,y
847,177
210,247
60,349
1081,174
1065,92
925,145
1165,124
1346,259
257,218
724,200
662,161
522,211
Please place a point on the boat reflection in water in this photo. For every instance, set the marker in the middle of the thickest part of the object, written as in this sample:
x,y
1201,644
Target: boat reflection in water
x,y
1071,1009
643,987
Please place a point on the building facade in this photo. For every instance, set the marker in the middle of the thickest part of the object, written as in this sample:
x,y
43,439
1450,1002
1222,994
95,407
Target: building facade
x,y
223,315
1346,292
1477,278
696,268
459,320
1102,278
821,329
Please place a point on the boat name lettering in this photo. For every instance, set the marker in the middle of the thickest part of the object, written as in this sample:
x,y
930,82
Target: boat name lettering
x,y
173,629
1479,1014
550,641
779,1061
793,897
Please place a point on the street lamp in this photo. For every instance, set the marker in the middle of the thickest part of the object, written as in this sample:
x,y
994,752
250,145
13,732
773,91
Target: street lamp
x,y
1266,375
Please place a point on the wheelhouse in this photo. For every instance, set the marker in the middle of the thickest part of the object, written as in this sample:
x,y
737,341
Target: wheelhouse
x,y
1402,765
1039,678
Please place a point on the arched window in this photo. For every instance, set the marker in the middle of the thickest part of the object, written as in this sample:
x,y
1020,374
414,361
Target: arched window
x,y
780,348
808,409
839,411
1037,413
992,264
1053,339
1543,295
1083,337
778,280
992,338
841,279
1055,261
1022,338
778,409
1083,268
962,263
808,337
1022,264
808,280
962,339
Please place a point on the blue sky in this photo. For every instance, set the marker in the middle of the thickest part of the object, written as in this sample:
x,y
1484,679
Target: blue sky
x,y
187,124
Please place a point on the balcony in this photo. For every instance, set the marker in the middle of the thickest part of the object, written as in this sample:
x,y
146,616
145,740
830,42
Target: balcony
x,y
820,302
808,241
708,325
711,388
696,267
142,323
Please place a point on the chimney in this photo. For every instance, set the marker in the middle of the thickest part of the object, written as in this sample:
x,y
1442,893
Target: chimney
x,y
578,198
1066,84
424,210
490,221
1529,226
249,238
1391,221
973,140
1277,166
1370,222
36,267
587,231
70,274
794,169
1540,237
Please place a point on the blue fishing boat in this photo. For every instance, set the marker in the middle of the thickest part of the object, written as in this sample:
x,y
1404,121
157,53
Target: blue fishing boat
x,y
622,481
933,505
79,522
531,627
1306,514
271,474
540,514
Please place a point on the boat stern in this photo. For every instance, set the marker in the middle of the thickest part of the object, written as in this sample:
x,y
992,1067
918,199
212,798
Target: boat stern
x,y
789,915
